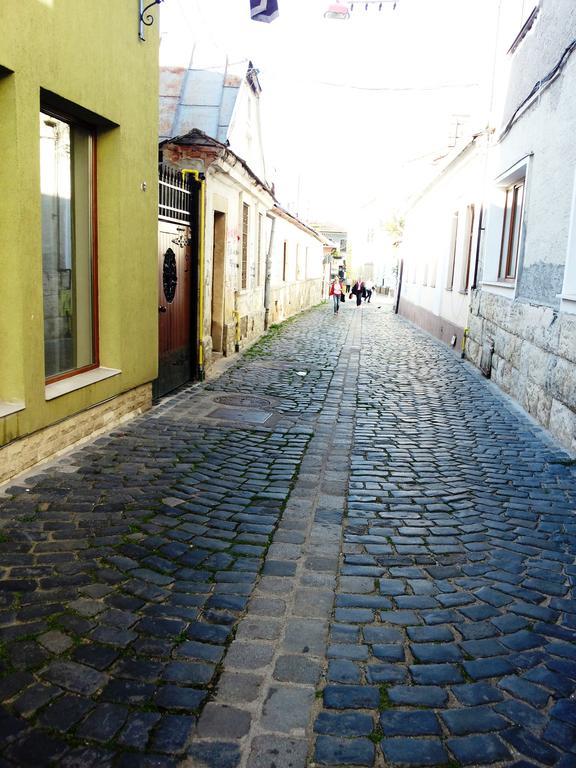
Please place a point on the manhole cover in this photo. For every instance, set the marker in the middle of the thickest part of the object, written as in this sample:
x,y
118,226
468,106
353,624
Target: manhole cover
x,y
237,414
243,401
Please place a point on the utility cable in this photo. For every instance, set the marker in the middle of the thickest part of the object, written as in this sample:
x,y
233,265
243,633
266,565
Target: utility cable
x,y
539,87
396,89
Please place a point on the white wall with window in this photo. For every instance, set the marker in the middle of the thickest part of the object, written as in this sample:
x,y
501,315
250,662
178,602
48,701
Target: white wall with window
x,y
440,243
297,266
505,229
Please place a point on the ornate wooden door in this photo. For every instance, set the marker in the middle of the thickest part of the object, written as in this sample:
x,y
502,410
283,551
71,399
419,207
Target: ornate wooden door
x,y
175,364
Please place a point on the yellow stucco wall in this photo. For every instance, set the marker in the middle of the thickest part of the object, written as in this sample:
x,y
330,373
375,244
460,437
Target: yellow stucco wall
x,y
88,52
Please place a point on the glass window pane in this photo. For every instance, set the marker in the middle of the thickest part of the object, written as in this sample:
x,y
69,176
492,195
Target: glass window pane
x,y
518,201
505,235
65,178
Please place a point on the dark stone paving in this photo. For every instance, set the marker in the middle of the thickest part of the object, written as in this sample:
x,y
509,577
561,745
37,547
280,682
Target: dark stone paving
x,y
124,574
164,597
455,616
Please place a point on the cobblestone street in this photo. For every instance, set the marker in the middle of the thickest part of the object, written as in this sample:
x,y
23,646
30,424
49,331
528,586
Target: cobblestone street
x,y
348,550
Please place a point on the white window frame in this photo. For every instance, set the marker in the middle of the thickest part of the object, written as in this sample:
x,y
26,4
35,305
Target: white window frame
x,y
568,295
491,280
467,255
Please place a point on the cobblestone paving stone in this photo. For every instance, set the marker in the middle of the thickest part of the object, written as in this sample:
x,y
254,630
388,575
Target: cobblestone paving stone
x,y
125,569
452,638
384,577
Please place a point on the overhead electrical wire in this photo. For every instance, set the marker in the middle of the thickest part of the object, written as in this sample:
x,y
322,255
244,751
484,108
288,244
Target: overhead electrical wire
x,y
393,89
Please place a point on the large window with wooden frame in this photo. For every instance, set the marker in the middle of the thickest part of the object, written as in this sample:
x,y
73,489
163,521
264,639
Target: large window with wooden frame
x,y
511,230
69,273
452,252
245,219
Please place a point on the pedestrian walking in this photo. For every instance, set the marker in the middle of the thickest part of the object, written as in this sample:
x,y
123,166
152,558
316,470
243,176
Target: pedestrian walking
x,y
368,286
357,289
336,293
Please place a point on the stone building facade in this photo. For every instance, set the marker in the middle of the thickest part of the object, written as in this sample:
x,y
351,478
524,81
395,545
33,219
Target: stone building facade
x,y
522,325
261,264
298,270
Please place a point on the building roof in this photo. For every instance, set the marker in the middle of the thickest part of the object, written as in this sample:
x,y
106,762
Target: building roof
x,y
197,138
202,98
447,163
284,214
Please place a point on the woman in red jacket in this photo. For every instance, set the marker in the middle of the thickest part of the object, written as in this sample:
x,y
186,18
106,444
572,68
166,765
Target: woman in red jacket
x,y
336,293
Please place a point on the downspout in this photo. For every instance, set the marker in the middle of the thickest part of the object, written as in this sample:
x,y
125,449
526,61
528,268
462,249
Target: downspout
x,y
399,288
201,181
236,316
268,279
463,346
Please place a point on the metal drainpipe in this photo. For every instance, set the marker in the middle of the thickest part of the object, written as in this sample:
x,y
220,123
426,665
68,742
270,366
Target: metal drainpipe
x,y
199,178
236,316
399,285
268,279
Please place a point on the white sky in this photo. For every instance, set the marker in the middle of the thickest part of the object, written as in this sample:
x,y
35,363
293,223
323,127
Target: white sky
x,y
338,131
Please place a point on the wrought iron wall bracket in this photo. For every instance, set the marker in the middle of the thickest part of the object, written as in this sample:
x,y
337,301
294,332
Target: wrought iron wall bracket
x,y
146,19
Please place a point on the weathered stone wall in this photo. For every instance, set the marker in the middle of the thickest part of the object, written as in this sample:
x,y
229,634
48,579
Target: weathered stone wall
x,y
39,446
288,300
534,358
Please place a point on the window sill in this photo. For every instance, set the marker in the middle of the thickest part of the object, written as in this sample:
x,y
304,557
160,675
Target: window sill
x,y
568,303
499,287
71,384
7,409
500,284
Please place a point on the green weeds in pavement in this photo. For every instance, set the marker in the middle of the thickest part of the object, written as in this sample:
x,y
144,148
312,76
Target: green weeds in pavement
x,y
377,735
385,702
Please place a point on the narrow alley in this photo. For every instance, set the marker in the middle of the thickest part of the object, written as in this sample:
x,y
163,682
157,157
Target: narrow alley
x,y
348,550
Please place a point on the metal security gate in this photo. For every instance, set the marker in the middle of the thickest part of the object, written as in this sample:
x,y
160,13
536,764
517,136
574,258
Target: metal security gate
x,y
177,280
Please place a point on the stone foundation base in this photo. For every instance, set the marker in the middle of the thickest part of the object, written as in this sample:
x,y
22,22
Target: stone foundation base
x,y
534,358
24,453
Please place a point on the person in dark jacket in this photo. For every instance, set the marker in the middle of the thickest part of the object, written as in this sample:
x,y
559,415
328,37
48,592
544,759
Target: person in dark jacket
x,y
357,290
